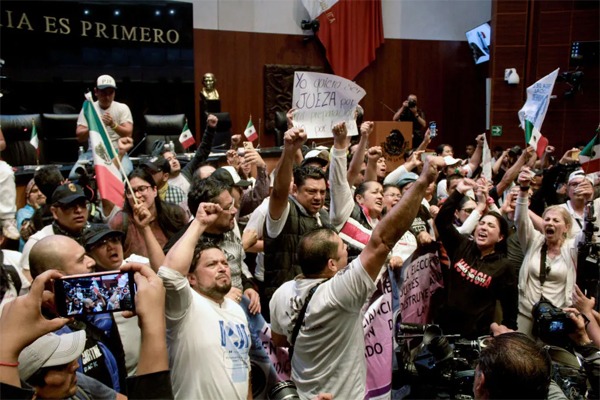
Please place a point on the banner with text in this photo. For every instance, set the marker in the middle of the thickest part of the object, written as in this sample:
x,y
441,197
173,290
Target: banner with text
x,y
323,100
421,277
378,327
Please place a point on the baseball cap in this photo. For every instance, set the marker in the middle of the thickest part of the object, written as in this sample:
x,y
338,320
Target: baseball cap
x,y
98,232
516,150
106,81
50,350
230,176
407,178
449,160
67,194
157,164
579,173
320,156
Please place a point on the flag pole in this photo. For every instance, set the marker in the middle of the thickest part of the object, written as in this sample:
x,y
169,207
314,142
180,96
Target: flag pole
x,y
88,97
259,131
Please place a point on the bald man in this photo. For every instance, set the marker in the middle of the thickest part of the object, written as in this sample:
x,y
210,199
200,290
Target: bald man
x,y
61,253
103,357
66,255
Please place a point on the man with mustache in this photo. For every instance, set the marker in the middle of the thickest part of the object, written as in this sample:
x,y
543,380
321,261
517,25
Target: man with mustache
x,y
291,216
207,332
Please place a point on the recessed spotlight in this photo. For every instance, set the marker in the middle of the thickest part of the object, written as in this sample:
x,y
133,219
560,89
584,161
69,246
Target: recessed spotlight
x,y
86,12
117,12
172,12
157,13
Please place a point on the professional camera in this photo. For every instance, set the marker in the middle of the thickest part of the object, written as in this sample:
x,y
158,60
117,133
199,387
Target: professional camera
x,y
588,257
412,104
441,366
551,324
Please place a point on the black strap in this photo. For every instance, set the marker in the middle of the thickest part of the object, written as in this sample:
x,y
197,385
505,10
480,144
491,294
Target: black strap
x,y
300,319
543,269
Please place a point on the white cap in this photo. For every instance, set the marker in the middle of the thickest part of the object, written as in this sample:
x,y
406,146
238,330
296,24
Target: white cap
x,y
579,173
106,81
49,351
449,160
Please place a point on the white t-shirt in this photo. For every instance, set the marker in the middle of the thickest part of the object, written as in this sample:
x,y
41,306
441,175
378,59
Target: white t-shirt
x,y
257,223
118,111
329,351
208,343
181,182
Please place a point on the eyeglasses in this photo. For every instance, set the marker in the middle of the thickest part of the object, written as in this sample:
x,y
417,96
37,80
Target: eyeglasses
x,y
467,210
140,189
230,208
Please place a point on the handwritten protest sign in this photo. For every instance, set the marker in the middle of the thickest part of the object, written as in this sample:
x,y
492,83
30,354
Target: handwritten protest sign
x,y
323,100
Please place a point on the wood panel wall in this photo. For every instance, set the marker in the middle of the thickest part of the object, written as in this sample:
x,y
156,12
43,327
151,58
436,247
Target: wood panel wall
x,y
535,38
450,87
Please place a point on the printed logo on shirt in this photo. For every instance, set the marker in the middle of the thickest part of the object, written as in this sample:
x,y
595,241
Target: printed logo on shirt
x,y
235,344
472,275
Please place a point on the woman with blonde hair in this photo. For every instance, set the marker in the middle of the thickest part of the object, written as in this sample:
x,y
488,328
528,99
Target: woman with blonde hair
x,y
549,267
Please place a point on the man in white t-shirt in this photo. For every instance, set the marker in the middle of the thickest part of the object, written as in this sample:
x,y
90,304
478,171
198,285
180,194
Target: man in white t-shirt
x,y
115,116
207,333
328,351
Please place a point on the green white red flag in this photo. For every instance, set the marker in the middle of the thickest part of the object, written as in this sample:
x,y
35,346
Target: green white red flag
x,y
108,177
589,158
186,138
250,131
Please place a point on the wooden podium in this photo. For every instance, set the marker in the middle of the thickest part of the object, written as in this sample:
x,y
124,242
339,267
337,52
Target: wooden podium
x,y
385,134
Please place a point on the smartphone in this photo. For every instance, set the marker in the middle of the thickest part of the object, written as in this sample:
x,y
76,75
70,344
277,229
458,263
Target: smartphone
x,y
248,146
575,155
432,129
427,153
96,293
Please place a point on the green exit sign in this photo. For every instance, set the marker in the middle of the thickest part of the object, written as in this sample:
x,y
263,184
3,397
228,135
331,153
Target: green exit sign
x,y
496,130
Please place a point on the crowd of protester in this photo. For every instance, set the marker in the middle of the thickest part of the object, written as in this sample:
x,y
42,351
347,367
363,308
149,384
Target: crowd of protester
x,y
322,228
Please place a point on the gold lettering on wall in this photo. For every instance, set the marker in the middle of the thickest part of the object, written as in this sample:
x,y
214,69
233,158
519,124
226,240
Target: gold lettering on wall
x,y
98,30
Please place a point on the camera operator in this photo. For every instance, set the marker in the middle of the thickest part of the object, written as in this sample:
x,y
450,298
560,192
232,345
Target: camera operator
x,y
514,351
409,112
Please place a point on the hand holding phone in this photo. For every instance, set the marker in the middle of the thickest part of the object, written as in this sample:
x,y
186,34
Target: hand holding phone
x,y
432,129
96,293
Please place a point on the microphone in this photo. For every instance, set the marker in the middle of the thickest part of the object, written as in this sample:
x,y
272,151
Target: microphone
x,y
138,145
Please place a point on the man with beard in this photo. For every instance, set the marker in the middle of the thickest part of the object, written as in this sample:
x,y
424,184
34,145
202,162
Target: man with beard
x,y
207,332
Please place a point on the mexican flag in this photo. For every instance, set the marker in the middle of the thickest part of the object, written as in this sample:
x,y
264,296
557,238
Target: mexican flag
x,y
534,111
108,177
186,138
590,156
250,131
534,138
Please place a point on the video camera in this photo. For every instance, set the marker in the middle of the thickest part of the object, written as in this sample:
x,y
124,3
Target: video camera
x,y
441,366
551,324
588,257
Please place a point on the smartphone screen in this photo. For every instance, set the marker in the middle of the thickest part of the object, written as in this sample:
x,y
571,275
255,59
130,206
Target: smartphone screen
x,y
248,145
432,129
95,293
425,154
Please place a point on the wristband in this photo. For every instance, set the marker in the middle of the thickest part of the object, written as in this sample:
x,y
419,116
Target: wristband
x,y
524,188
114,126
7,364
